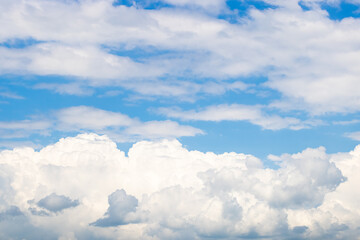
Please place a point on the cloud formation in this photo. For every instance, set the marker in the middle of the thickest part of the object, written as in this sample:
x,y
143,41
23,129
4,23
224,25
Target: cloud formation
x,y
121,206
57,203
120,127
163,191
307,57
254,114
353,135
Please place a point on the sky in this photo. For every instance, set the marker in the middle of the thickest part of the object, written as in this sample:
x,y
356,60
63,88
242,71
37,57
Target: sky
x,y
179,119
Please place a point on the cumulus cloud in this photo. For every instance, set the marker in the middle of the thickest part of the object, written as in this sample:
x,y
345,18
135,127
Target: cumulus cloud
x,y
163,191
237,112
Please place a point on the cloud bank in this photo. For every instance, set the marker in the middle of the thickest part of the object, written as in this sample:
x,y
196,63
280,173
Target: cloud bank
x,y
85,188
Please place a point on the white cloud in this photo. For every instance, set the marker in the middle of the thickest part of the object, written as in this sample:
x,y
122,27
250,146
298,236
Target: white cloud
x,y
84,117
12,95
169,192
71,88
353,135
237,112
24,128
118,126
162,129
18,144
25,124
183,90
354,121
84,62
310,59
213,6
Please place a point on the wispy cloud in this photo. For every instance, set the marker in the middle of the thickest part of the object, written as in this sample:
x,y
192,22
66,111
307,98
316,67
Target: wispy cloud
x,y
237,112
353,135
11,95
83,118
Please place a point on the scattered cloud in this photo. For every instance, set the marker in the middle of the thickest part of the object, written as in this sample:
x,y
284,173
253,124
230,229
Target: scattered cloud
x,y
120,127
348,122
84,117
167,191
24,128
305,56
11,95
25,124
353,135
70,89
165,129
18,144
237,112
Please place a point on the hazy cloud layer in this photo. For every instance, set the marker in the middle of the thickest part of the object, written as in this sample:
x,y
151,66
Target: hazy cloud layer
x,y
163,191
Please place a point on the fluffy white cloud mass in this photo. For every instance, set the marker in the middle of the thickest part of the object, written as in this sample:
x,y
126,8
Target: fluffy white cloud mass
x,y
85,188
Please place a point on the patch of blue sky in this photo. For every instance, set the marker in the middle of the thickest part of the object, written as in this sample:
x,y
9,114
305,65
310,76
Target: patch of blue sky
x,y
19,43
304,6
337,11
243,6
244,137
140,54
343,10
33,102
240,9
145,4
124,98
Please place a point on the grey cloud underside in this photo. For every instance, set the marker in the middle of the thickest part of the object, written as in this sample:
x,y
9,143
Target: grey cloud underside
x,y
57,203
120,206
163,191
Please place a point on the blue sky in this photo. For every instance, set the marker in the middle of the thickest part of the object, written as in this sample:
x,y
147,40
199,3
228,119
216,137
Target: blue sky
x,y
265,78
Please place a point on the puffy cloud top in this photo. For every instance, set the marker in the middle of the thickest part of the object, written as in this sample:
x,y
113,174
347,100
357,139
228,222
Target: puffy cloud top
x,y
163,191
